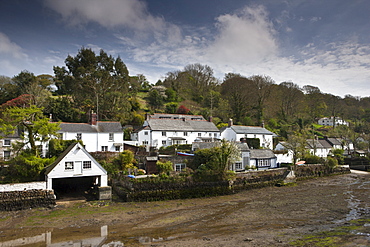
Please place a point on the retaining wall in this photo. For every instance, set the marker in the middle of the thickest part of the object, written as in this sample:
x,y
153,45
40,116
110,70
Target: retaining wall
x,y
19,200
129,190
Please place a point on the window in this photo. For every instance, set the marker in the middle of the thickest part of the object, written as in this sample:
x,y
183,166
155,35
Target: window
x,y
117,148
164,133
6,142
79,136
164,142
215,134
68,165
180,167
6,155
185,133
111,136
86,165
238,166
210,134
146,133
145,142
199,134
104,148
264,163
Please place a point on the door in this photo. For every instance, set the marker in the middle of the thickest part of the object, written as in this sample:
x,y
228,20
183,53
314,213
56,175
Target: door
x,y
78,167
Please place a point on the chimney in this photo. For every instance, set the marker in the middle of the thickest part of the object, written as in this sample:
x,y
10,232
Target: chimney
x,y
263,124
230,122
210,119
94,118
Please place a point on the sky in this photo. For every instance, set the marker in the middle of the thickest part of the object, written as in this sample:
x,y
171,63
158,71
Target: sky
x,y
308,42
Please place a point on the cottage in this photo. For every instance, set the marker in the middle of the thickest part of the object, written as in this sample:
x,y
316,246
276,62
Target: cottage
x,y
76,169
249,158
6,142
161,130
332,121
96,135
239,132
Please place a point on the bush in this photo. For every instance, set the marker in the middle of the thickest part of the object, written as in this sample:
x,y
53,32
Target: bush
x,y
164,167
331,162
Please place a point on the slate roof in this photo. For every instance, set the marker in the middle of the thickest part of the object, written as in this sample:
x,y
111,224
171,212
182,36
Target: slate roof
x,y
239,129
335,141
181,125
176,116
100,127
262,154
321,143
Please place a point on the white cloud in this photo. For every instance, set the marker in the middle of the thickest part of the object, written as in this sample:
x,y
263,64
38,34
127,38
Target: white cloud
x,y
131,15
246,37
10,48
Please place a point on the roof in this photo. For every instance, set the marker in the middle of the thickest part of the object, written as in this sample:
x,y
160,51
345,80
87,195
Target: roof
x,y
262,154
176,116
181,125
334,141
100,127
239,129
318,143
66,152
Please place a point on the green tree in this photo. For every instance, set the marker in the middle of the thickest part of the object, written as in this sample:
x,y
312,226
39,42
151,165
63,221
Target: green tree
x,y
35,125
96,82
164,167
125,161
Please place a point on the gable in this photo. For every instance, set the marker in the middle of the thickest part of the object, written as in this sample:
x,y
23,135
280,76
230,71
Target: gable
x,y
75,155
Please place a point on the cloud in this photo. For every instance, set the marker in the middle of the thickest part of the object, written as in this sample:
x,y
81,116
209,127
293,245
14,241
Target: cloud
x,y
130,15
10,48
245,37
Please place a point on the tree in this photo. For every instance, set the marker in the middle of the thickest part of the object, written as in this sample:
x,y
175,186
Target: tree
x,y
262,89
35,125
8,89
96,82
296,142
290,97
235,89
164,167
125,161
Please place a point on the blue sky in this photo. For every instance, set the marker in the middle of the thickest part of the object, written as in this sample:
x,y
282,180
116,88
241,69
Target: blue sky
x,y
319,43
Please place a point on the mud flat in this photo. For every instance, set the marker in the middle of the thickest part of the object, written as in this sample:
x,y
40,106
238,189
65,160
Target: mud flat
x,y
327,211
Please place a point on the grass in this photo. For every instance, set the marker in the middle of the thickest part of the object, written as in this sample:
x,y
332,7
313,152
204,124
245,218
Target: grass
x,y
332,238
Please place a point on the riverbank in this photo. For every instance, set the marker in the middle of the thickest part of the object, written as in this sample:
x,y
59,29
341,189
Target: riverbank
x,y
272,216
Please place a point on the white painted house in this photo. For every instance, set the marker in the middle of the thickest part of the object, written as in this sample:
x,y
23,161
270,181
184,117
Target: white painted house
x,y
332,121
260,159
76,166
96,135
6,143
239,132
161,130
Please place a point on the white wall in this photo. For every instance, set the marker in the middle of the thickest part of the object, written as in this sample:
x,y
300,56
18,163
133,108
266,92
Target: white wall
x,y
77,156
23,186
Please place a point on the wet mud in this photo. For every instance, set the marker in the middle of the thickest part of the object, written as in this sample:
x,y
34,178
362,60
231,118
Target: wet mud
x,y
332,210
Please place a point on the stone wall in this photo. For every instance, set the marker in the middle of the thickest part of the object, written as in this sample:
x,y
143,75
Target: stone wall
x,y
19,200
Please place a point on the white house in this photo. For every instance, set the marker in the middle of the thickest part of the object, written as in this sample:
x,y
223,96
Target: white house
x,y
239,132
260,159
6,142
283,154
75,167
332,121
161,130
96,135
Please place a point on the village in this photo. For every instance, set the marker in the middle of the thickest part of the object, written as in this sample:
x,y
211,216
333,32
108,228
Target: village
x,y
184,134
